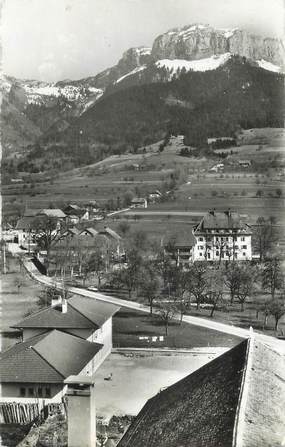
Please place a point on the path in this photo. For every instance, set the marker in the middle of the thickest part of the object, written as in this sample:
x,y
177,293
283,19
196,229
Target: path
x,y
196,321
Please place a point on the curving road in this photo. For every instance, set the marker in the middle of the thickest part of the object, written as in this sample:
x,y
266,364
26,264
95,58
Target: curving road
x,y
196,321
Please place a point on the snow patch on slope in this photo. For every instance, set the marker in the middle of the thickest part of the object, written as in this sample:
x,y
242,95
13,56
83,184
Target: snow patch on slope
x,y
210,63
268,66
136,70
36,95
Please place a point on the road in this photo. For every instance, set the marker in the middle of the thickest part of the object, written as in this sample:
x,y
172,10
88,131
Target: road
x,y
196,321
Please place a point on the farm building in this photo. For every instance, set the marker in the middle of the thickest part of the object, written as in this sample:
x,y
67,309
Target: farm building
x,y
244,163
181,248
222,236
228,402
70,337
36,368
139,202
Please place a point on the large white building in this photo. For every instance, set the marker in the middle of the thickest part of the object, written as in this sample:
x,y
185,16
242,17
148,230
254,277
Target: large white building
x,y
222,236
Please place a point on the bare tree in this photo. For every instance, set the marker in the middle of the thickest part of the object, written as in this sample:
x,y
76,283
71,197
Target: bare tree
x,y
95,264
248,276
273,277
166,313
215,288
276,308
150,284
264,236
48,233
197,282
232,279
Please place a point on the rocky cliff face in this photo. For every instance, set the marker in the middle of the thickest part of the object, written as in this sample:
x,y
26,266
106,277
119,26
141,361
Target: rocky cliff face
x,y
202,41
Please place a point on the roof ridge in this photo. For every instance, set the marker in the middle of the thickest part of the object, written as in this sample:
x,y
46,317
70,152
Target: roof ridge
x,y
46,361
237,437
33,315
95,324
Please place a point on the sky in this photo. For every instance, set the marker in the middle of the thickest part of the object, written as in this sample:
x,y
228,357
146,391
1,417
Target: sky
x,y
52,40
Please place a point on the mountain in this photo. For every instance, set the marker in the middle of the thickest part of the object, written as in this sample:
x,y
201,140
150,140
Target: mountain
x,y
198,104
202,41
40,111
31,108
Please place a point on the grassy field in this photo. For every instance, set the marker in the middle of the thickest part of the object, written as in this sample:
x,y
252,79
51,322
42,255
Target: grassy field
x,y
129,325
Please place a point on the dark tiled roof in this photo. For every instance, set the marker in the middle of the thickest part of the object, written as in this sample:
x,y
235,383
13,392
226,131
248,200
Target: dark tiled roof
x,y
52,318
31,212
96,311
67,353
90,231
198,411
219,220
47,358
110,233
26,223
181,240
82,313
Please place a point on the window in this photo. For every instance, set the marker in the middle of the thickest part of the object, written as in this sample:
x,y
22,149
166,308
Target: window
x,y
236,247
200,254
243,238
244,247
31,391
22,392
243,254
48,393
235,255
201,239
40,392
217,253
201,247
209,255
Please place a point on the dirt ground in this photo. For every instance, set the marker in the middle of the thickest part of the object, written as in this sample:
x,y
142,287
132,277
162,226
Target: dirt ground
x,y
137,376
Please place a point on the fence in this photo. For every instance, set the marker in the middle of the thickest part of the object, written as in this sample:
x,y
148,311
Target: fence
x,y
26,413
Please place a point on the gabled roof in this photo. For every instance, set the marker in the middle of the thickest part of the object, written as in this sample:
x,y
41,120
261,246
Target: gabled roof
x,y
221,220
31,212
110,233
90,231
95,310
26,223
52,212
181,240
197,411
47,358
138,200
236,400
82,313
52,318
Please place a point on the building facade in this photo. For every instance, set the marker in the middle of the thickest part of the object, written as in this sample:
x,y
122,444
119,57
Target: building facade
x,y
222,236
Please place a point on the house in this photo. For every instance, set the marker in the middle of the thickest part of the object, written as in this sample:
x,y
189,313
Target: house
x,y
71,337
181,248
244,163
114,241
139,202
83,317
236,400
25,231
222,236
75,214
218,167
154,195
35,369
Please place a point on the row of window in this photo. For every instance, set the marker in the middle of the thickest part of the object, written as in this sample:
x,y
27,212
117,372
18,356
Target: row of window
x,y
223,255
226,238
35,392
236,247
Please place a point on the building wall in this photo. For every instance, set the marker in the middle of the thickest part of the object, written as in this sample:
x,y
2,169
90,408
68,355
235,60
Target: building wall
x,y
11,392
103,336
222,247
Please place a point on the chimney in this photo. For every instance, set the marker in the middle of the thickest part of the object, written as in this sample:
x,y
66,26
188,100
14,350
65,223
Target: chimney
x,y
59,304
81,411
212,212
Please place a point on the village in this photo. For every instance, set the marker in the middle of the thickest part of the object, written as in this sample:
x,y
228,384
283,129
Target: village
x,y
221,267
